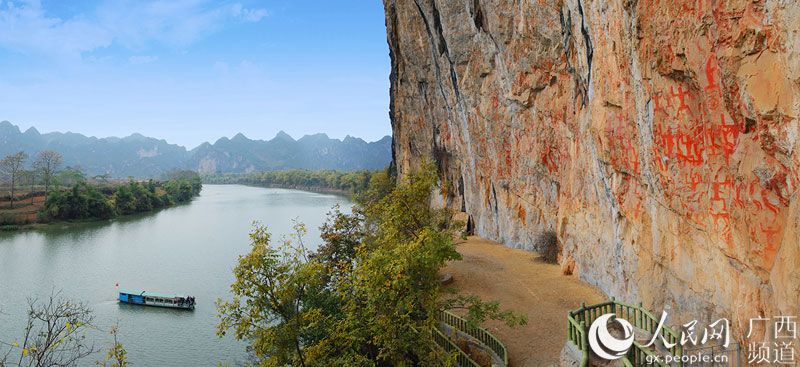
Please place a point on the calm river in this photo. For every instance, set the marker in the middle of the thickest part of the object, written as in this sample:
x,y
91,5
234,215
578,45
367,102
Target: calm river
x,y
188,249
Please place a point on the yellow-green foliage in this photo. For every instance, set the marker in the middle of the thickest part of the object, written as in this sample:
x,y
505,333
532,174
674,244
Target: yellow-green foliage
x,y
369,295
117,355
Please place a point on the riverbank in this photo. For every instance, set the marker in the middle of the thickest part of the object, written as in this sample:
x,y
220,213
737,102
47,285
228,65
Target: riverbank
x,y
86,202
189,248
519,281
323,190
25,210
325,181
78,222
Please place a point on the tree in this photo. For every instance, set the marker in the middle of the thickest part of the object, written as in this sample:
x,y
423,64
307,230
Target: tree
x,y
47,163
12,166
102,178
98,205
342,235
141,197
380,185
271,282
368,297
29,176
54,334
71,176
124,200
117,355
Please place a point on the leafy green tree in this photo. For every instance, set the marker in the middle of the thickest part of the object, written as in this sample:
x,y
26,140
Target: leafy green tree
x,y
98,205
342,235
367,297
124,201
76,205
87,201
270,284
186,191
71,176
81,202
380,185
141,197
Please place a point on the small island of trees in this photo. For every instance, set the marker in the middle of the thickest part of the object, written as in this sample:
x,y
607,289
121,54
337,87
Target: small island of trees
x,y
43,192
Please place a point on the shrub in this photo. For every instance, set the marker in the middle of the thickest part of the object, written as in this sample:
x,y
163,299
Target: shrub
x,y
9,219
547,245
9,228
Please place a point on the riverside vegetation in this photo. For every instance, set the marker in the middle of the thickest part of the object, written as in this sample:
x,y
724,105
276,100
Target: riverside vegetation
x,y
324,180
36,193
367,297
85,201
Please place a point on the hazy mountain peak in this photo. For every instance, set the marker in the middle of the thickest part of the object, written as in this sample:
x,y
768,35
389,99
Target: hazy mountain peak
x,y
142,156
350,139
135,137
239,137
204,145
282,135
7,126
316,136
32,131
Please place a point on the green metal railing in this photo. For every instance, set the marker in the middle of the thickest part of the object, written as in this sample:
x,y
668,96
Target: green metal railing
x,y
626,363
460,324
635,314
576,333
462,359
479,333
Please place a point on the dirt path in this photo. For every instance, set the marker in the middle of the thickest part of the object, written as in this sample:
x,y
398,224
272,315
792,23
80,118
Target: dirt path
x,y
519,282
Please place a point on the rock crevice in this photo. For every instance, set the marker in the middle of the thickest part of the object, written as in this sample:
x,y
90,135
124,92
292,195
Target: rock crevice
x,y
658,139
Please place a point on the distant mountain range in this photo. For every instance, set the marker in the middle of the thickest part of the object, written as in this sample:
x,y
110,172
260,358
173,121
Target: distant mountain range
x,y
142,156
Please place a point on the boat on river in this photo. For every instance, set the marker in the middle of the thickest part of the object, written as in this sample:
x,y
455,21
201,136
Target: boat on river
x,y
156,299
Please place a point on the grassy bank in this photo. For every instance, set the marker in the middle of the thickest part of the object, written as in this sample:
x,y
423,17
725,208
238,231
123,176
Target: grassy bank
x,y
328,181
86,202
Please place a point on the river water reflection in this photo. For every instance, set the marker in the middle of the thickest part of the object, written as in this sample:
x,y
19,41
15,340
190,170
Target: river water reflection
x,y
189,249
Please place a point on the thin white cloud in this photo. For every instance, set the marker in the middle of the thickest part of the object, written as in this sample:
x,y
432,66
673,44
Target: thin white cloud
x,y
24,26
248,15
138,60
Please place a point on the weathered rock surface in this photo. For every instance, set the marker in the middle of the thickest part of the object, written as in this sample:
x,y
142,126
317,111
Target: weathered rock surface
x,y
658,139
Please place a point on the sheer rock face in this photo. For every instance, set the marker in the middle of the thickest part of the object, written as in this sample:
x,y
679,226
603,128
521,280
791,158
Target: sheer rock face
x,y
658,139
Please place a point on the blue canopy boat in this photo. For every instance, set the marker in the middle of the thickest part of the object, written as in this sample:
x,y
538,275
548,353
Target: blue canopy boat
x,y
157,300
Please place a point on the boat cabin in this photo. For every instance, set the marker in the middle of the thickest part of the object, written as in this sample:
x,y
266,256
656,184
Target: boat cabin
x,y
156,299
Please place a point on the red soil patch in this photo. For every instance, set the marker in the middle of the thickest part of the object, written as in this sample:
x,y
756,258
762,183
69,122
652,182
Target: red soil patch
x,y
23,209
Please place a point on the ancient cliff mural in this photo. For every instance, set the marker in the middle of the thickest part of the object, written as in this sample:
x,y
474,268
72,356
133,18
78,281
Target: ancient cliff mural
x,y
658,139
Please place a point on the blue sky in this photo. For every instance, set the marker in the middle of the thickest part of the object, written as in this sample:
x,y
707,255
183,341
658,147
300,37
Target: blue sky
x,y
190,71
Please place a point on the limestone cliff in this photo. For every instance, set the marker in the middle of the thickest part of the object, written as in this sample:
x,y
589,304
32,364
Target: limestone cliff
x,y
658,139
